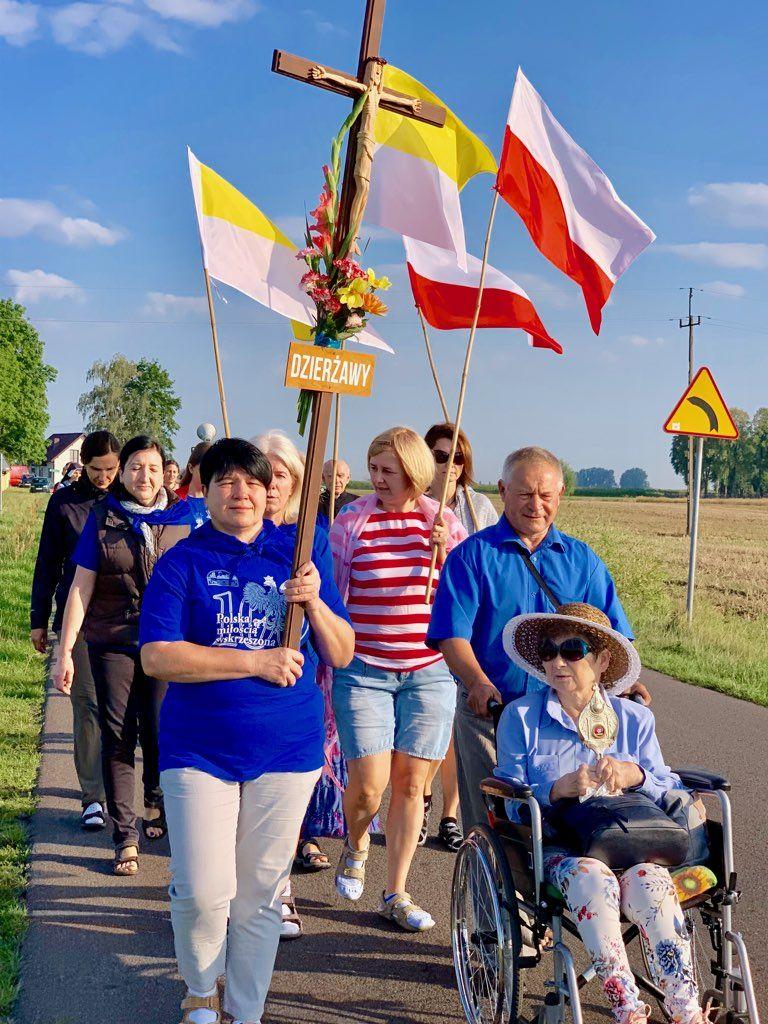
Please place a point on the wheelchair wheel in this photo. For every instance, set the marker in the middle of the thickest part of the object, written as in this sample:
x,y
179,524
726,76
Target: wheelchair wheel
x,y
485,931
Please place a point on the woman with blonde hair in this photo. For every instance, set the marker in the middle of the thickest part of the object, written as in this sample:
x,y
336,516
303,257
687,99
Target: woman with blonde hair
x,y
394,704
284,494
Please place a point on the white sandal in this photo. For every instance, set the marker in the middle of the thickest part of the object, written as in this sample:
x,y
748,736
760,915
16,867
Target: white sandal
x,y
350,872
401,909
191,1003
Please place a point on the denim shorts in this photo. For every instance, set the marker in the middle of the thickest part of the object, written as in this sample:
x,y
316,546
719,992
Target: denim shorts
x,y
377,710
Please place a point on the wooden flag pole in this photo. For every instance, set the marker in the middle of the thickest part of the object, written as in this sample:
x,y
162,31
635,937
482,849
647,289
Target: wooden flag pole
x,y
463,387
444,407
335,458
432,366
216,354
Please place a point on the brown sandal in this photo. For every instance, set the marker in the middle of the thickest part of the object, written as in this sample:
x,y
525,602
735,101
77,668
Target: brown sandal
x,y
129,864
201,1003
291,917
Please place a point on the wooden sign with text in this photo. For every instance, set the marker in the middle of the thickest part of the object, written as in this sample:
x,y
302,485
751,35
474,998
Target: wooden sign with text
x,y
319,368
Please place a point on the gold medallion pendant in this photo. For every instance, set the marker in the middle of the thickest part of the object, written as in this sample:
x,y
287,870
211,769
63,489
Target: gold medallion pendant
x,y
598,724
598,727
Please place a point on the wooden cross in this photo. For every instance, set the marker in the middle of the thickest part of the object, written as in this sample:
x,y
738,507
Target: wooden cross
x,y
352,202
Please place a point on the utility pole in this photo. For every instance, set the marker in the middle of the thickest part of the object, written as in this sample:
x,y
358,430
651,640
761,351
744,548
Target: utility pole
x,y
690,323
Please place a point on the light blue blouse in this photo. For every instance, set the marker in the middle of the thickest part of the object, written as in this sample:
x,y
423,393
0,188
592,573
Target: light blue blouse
x,y
537,744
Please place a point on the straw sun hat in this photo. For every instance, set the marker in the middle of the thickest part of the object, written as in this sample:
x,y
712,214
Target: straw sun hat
x,y
522,634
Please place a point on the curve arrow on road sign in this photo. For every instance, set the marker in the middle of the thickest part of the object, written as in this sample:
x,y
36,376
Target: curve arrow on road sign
x,y
705,407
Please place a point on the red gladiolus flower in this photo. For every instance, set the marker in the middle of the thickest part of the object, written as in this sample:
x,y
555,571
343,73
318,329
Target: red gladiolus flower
x,y
323,212
321,237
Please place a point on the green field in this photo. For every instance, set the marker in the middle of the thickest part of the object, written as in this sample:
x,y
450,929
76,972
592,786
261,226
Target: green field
x,y
644,544
21,695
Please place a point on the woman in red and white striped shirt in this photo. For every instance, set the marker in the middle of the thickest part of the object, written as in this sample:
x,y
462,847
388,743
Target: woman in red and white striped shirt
x,y
395,702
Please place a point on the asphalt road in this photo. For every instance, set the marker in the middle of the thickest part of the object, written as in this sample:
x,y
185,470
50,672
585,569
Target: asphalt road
x,y
100,949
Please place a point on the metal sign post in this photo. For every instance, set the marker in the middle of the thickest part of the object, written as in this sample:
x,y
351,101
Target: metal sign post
x,y
695,501
700,413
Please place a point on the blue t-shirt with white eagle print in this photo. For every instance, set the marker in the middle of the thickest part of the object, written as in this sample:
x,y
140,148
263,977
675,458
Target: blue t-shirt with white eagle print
x,y
212,589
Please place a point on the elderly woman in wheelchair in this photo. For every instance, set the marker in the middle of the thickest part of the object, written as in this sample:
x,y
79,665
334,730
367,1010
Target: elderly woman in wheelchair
x,y
598,819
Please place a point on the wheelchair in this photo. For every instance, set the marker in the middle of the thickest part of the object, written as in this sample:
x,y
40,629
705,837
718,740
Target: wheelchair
x,y
506,920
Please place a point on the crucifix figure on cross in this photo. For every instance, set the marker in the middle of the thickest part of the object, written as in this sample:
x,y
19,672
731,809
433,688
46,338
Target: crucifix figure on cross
x,y
354,194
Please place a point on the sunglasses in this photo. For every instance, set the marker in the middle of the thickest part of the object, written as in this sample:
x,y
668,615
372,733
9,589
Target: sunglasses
x,y
442,457
573,649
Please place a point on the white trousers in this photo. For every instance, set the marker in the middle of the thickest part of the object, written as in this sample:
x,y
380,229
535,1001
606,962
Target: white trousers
x,y
232,845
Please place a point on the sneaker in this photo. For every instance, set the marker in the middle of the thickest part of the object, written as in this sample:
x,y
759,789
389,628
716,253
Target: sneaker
x,y
92,818
400,908
425,823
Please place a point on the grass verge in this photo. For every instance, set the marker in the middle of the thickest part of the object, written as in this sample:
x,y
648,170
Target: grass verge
x,y
21,696
645,547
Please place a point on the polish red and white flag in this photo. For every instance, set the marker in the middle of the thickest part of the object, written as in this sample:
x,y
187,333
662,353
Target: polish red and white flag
x,y
447,295
569,206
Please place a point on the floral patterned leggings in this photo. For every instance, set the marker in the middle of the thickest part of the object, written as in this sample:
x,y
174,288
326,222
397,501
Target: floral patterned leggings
x,y
646,896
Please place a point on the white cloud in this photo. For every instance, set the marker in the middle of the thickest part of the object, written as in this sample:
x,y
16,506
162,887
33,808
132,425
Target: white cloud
x,y
35,286
164,303
736,255
19,217
98,29
539,288
205,13
724,289
742,204
640,340
295,225
322,24
18,22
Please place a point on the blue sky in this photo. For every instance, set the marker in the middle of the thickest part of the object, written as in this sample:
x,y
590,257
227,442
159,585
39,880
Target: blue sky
x,y
101,99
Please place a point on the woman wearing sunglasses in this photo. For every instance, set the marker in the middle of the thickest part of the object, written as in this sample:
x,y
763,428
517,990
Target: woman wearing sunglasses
x,y
584,661
474,510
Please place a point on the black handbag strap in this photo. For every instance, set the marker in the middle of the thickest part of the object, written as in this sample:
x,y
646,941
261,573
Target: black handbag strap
x,y
528,561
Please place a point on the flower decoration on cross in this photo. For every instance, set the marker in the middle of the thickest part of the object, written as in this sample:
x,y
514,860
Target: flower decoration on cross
x,y
343,292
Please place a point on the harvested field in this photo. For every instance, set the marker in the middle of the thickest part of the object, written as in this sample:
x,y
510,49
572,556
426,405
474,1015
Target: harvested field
x,y
644,544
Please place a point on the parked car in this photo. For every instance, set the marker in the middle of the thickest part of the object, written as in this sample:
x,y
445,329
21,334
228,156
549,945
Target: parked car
x,y
25,480
17,474
39,484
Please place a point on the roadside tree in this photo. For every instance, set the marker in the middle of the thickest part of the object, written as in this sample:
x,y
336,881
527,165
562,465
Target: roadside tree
x,y
596,477
634,479
24,379
131,398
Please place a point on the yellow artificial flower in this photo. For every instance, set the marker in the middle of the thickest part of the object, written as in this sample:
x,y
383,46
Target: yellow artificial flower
x,y
382,283
351,295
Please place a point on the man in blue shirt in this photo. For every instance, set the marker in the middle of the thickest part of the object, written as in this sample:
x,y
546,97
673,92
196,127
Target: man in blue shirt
x,y
485,582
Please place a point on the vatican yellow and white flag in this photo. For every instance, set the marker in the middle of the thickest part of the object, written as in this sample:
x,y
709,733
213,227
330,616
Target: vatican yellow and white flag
x,y
419,170
245,250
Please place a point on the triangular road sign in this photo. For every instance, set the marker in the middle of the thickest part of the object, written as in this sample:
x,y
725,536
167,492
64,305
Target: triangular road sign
x,y
702,412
